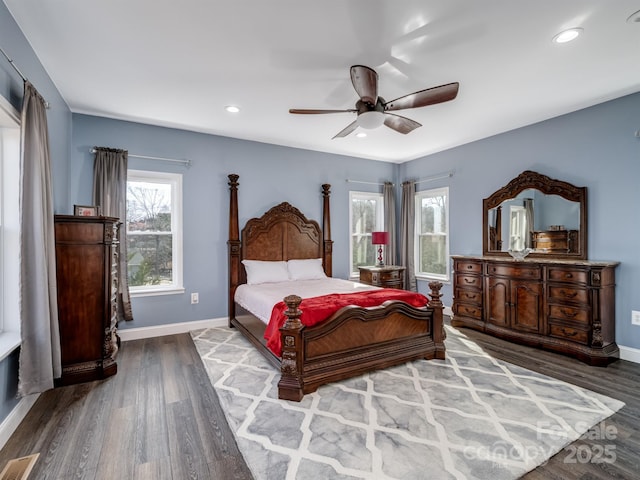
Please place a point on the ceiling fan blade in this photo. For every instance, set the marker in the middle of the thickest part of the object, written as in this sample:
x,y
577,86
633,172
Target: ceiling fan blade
x,y
346,131
430,96
304,111
400,124
365,82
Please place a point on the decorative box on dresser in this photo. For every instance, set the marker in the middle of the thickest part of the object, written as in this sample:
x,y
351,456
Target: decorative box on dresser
x,y
387,276
86,258
567,306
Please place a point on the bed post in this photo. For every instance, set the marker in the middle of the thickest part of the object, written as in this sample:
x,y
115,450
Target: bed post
x,y
439,333
233,245
290,386
327,250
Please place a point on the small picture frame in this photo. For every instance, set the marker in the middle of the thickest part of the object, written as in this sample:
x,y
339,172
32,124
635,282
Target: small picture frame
x,y
86,210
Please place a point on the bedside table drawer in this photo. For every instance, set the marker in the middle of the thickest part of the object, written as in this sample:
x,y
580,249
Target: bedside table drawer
x,y
388,276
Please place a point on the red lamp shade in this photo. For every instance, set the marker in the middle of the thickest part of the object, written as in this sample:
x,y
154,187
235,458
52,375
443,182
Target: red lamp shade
x,y
380,238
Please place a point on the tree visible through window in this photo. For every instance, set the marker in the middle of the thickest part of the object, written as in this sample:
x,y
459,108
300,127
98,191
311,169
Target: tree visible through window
x,y
432,233
153,247
366,216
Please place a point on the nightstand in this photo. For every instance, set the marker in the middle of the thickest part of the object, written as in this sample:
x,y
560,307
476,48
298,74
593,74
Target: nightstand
x,y
387,276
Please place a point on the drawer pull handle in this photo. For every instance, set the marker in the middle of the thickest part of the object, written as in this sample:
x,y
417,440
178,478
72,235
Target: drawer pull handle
x,y
568,275
469,267
568,294
469,280
568,313
570,333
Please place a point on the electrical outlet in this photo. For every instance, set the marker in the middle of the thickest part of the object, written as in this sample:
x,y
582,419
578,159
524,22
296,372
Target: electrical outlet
x,y
635,317
194,298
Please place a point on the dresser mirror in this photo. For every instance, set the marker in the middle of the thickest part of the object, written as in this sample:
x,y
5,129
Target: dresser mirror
x,y
546,216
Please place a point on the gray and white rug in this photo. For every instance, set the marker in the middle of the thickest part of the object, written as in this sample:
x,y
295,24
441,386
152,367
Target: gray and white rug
x,y
469,416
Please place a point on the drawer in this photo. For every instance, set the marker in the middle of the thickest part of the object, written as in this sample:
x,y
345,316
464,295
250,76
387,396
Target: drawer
x,y
465,310
515,271
559,274
569,333
385,275
464,266
469,296
572,314
473,281
569,294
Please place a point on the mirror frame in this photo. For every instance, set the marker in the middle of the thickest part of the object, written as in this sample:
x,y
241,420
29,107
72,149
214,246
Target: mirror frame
x,y
529,179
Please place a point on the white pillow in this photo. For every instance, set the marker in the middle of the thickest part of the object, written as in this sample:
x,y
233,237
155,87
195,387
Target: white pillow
x,y
259,271
310,269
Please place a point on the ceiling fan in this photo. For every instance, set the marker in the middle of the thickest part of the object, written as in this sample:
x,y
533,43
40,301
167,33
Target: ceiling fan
x,y
373,110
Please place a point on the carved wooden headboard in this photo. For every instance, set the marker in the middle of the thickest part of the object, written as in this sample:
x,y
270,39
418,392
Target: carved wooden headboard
x,y
282,233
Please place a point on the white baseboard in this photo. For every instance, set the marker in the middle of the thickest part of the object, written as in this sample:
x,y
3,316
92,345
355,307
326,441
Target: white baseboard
x,y
138,333
630,354
11,422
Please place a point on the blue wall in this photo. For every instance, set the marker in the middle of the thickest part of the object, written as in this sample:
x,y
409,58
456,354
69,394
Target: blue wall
x,y
595,147
268,175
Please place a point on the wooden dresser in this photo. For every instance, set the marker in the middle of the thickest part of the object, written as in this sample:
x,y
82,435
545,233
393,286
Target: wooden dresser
x,y
567,306
387,276
87,286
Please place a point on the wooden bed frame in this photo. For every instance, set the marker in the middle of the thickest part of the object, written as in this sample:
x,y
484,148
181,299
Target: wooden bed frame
x,y
354,340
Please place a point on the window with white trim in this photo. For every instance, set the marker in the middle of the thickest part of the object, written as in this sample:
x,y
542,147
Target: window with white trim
x,y
9,228
366,215
154,232
432,234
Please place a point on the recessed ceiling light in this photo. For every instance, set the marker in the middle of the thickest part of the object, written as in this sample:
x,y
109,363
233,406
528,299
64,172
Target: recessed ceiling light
x,y
567,35
232,109
361,134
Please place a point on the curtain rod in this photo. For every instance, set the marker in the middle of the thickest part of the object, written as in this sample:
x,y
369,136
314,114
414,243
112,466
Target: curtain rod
x,y
435,177
186,163
366,183
24,79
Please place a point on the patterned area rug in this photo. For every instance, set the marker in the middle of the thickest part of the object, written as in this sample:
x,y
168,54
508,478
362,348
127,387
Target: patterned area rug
x,y
470,416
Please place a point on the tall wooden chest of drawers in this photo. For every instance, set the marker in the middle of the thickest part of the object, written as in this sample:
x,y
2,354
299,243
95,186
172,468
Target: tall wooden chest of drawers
x,y
564,306
86,259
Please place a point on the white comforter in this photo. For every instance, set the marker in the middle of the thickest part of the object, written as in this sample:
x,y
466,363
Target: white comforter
x,y
260,299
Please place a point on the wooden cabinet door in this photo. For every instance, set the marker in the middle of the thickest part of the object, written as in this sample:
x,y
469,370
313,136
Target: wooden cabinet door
x,y
526,302
497,301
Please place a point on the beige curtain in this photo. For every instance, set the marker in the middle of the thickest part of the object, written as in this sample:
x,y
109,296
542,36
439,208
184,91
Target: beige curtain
x,y
407,228
390,255
40,350
110,193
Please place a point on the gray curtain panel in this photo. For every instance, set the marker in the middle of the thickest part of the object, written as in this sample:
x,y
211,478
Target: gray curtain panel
x,y
528,209
40,350
110,193
407,228
390,254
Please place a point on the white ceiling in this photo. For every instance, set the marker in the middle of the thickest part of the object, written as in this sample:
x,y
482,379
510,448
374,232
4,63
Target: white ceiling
x,y
178,63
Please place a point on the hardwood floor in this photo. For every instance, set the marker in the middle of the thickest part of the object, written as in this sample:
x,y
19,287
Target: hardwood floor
x,y
159,418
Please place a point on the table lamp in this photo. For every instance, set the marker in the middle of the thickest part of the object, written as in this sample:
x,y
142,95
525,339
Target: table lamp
x,y
380,239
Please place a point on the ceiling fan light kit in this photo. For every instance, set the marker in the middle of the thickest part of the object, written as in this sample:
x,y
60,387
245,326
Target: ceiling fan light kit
x,y
370,120
373,111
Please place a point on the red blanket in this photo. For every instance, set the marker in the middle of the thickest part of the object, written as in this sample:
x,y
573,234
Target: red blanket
x,y
316,309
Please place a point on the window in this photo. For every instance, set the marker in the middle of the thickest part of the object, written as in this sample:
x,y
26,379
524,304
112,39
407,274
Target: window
x,y
432,234
366,215
9,228
154,232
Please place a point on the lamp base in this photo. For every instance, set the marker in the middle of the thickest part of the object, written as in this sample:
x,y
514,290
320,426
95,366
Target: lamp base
x,y
380,261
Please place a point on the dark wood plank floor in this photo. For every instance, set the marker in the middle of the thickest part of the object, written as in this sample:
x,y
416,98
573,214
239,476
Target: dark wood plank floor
x,y
159,418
